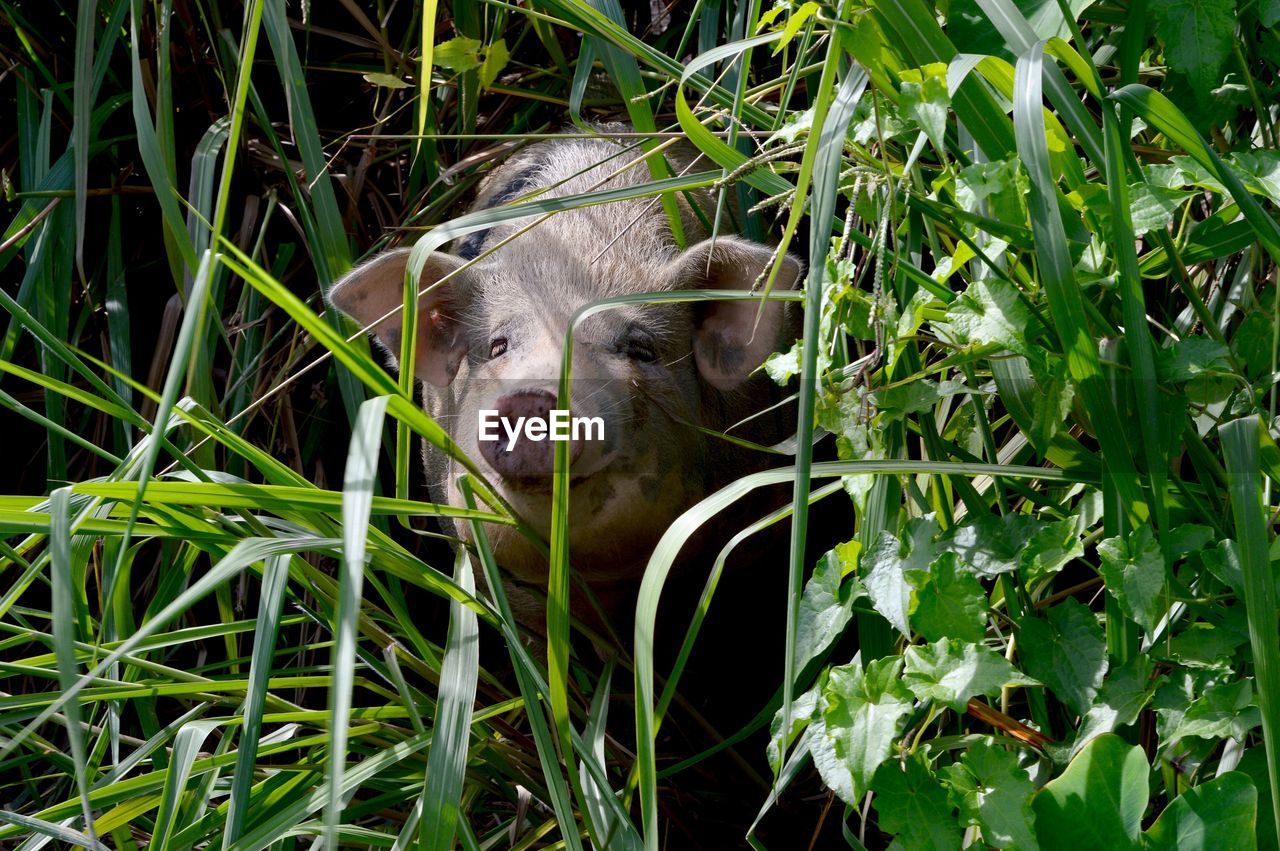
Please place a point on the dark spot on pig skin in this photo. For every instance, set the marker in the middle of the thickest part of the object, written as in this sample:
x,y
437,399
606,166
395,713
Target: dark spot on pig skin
x,y
723,355
471,245
651,487
601,496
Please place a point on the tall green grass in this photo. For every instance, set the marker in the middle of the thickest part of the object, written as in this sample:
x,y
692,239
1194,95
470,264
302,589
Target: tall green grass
x,y
1039,358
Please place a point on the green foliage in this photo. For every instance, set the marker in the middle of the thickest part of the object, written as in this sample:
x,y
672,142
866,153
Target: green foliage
x,y
1067,652
1098,801
864,712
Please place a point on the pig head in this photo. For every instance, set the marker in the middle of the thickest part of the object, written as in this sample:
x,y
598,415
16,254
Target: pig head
x,y
492,327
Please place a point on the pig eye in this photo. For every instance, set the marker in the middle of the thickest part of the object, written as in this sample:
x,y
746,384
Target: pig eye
x,y
641,349
497,347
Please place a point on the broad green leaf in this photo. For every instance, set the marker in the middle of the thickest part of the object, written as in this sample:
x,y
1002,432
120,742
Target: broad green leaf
x,y
1134,572
1255,343
913,806
883,565
1207,645
1254,764
1193,356
864,714
1226,710
1067,652
783,366
458,54
1220,813
990,312
925,99
918,394
950,672
495,60
826,607
1097,802
1197,38
386,81
994,793
997,189
804,710
1124,694
1152,207
993,545
947,601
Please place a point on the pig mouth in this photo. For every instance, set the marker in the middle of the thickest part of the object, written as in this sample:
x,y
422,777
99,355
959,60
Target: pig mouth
x,y
540,485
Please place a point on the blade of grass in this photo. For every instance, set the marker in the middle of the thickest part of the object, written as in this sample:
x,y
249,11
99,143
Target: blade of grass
x,y
426,49
275,575
186,747
357,497
451,731
1066,304
826,144
153,158
64,628
82,99
526,678
625,73
1244,478
244,553
1159,112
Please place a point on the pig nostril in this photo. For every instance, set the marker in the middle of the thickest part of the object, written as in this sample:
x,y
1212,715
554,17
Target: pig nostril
x,y
513,454
526,403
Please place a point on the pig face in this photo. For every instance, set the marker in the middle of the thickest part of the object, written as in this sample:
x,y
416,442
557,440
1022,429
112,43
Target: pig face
x,y
492,328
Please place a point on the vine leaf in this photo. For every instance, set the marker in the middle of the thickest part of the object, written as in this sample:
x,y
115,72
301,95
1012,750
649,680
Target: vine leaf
x,y
865,712
1197,39
950,672
1067,652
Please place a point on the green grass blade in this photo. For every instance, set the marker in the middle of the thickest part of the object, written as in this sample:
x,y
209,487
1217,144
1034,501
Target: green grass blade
x,y
275,575
186,747
149,149
83,94
1240,442
38,827
451,731
64,629
625,73
527,677
357,497
822,155
426,48
244,553
1066,305
1159,112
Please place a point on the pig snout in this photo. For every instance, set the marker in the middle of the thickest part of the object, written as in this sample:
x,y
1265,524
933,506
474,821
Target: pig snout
x,y
513,455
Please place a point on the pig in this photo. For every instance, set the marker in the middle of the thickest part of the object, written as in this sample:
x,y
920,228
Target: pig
x,y
491,337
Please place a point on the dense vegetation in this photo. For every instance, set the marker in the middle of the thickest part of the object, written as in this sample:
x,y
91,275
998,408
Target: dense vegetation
x,y
1042,323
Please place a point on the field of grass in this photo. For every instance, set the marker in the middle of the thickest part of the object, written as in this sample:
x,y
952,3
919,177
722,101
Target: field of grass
x,y
1038,372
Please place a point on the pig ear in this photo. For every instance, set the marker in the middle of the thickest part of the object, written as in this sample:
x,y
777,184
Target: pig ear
x,y
728,344
375,289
